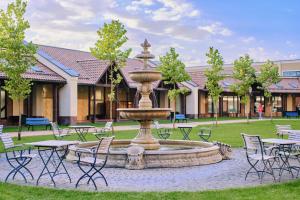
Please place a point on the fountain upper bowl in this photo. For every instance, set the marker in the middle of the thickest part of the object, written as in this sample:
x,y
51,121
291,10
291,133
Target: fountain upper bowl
x,y
144,113
146,75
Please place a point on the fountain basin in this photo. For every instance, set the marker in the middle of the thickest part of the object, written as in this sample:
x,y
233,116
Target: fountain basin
x,y
144,113
145,75
172,153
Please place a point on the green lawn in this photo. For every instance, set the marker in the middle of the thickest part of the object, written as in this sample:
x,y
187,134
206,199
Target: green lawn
x,y
227,133
121,123
289,190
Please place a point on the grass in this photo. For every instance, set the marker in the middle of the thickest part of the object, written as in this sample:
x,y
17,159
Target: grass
x,y
289,190
226,133
120,123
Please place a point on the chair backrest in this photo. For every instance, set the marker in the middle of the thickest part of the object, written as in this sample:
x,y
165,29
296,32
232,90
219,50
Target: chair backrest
x,y
283,127
108,125
294,135
7,140
253,144
104,145
1,129
156,125
55,129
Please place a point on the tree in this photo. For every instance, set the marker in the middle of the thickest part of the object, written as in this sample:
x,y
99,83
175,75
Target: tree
x,y
16,56
244,73
268,76
173,72
111,38
214,76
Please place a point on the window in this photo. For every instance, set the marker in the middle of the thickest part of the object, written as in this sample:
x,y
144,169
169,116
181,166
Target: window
x,y
211,106
276,104
291,73
230,104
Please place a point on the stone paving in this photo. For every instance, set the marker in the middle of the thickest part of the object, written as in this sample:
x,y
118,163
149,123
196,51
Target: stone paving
x,y
226,174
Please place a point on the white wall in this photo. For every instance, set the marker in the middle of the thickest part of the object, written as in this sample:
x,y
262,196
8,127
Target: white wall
x,y
192,101
68,93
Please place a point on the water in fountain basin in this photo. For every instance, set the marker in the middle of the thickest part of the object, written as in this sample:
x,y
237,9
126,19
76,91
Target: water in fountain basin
x,y
152,97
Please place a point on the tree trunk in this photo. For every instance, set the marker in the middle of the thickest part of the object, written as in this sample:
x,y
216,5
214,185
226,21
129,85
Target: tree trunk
x,y
216,113
111,99
20,121
247,113
271,109
174,117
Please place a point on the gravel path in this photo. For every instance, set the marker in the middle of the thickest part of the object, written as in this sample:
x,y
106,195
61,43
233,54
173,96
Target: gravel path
x,y
226,174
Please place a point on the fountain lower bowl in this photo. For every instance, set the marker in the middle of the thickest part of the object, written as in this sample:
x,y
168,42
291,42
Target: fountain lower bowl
x,y
144,113
172,153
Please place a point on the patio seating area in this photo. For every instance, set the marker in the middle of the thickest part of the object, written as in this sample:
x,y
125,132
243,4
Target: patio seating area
x,y
227,174
279,164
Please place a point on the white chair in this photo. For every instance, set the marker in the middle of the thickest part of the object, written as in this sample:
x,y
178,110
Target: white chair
x,y
256,154
102,132
281,130
90,164
59,133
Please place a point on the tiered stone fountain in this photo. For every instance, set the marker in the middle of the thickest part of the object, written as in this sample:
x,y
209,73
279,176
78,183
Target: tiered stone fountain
x,y
145,151
145,113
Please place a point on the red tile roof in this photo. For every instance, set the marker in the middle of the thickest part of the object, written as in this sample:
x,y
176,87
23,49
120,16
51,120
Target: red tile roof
x,y
45,74
89,68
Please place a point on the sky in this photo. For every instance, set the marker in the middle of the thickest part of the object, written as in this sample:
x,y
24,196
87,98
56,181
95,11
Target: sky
x,y
268,29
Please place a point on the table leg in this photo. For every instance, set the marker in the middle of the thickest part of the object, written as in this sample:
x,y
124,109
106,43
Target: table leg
x,y
45,162
285,161
62,164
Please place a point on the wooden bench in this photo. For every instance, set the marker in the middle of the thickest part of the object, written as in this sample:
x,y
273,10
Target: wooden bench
x,y
180,117
41,121
291,114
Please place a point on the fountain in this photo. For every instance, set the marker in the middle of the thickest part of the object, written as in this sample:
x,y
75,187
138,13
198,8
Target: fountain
x,y
145,113
145,151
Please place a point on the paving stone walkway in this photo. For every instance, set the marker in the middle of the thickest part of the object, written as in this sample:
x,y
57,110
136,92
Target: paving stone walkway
x,y
226,174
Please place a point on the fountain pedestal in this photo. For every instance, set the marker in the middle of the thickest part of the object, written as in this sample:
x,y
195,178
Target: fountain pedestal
x,y
144,137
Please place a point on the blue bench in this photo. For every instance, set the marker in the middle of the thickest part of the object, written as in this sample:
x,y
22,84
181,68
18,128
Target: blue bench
x,y
291,114
180,117
31,122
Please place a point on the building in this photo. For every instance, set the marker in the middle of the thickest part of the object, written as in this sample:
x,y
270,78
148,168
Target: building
x,y
285,94
72,86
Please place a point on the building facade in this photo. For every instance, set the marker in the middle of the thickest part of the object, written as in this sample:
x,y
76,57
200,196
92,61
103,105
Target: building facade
x,y
71,86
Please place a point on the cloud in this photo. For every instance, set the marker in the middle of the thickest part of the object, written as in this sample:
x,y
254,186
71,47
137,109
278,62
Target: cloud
x,y
216,29
173,10
136,5
248,40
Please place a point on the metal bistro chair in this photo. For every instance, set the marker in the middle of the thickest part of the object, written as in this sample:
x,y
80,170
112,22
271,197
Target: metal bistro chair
x,y
59,133
103,132
291,152
204,134
16,157
163,133
256,154
279,129
94,163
